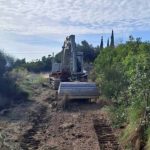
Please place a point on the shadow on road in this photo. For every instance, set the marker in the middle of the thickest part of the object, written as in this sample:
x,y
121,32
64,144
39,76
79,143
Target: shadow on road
x,y
81,105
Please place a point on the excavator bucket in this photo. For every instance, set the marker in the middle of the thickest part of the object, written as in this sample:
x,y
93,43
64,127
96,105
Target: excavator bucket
x,y
78,90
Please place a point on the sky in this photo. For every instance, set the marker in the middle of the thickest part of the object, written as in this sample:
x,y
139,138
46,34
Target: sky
x,y
34,28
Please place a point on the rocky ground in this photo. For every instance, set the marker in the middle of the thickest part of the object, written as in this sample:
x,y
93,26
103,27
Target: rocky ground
x,y
44,123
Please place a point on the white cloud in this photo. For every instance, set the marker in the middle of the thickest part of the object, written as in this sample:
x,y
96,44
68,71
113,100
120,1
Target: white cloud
x,y
24,49
73,16
38,27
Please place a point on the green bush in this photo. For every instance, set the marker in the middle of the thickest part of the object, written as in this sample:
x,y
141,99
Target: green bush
x,y
123,75
9,90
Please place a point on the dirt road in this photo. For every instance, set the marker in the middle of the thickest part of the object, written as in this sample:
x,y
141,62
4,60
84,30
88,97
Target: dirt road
x,y
43,124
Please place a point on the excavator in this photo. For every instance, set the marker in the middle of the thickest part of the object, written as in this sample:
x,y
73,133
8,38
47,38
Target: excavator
x,y
69,76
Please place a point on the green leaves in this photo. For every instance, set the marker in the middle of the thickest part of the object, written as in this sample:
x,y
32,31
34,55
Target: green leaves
x,y
2,63
123,74
88,51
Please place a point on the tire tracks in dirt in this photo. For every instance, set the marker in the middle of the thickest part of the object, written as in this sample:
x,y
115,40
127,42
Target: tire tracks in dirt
x,y
29,142
46,122
105,135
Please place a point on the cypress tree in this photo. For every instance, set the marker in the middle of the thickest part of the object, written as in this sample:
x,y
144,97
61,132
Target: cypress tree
x,y
101,45
108,42
112,39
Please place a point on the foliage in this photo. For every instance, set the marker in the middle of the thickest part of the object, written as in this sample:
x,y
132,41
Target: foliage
x,y
43,65
102,44
88,51
9,90
2,63
112,44
148,139
27,81
123,74
58,57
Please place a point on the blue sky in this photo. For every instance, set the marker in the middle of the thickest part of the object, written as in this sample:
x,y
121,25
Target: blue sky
x,y
33,28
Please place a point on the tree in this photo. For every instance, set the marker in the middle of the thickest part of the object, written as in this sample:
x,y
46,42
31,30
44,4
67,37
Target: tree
x,y
108,42
88,51
101,45
112,44
44,59
45,64
2,63
58,57
19,62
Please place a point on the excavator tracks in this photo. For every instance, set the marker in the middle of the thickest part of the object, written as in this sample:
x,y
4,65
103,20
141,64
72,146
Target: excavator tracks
x,y
106,138
29,142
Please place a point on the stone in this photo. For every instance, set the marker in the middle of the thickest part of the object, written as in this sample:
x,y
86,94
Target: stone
x,y
67,126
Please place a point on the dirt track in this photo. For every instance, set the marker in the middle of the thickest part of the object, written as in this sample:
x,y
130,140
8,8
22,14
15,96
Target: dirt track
x,y
43,124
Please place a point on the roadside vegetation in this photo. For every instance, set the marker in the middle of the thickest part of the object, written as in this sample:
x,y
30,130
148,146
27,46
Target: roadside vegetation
x,y
16,82
36,66
123,75
26,80
9,90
